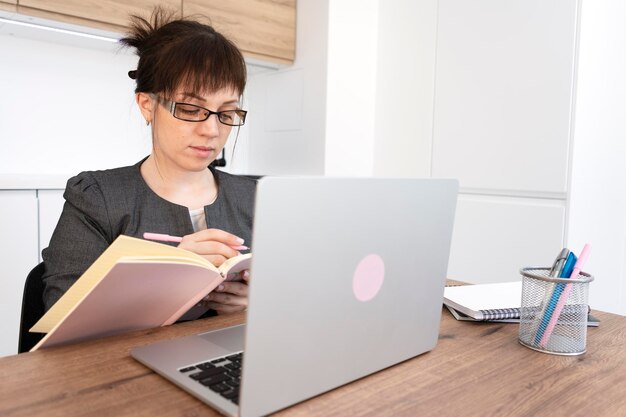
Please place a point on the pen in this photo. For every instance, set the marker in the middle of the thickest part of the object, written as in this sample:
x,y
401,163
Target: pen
x,y
550,300
564,272
559,263
565,294
168,238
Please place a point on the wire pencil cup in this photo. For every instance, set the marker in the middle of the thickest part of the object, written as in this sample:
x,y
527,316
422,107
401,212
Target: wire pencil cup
x,y
553,319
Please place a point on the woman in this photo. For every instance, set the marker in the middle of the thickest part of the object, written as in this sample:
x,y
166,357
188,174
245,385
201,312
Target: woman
x,y
189,84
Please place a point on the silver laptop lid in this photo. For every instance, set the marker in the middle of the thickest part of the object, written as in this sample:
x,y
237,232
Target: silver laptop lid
x,y
347,279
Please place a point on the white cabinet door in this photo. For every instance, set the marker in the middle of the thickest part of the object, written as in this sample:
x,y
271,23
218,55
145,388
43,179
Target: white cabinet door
x,y
503,94
18,255
50,208
494,237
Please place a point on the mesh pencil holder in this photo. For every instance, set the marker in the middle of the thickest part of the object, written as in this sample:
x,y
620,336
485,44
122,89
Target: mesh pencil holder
x,y
553,316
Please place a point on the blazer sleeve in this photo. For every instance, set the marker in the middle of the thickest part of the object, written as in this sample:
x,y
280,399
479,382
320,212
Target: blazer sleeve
x,y
81,235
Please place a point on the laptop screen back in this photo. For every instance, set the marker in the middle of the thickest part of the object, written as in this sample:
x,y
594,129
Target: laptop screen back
x,y
347,279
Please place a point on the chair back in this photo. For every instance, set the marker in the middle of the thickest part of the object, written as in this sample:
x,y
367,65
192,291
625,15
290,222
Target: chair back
x,y
32,308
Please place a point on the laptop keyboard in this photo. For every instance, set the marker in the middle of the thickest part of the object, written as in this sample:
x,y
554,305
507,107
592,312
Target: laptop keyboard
x,y
221,375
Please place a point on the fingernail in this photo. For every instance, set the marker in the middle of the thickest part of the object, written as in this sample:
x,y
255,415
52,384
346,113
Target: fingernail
x,y
246,274
240,241
220,287
241,247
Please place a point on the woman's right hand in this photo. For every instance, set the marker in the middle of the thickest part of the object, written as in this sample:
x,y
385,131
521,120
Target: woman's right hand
x,y
213,244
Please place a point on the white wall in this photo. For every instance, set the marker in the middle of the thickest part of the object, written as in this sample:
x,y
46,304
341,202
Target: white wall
x,y
77,105
351,87
405,75
66,108
360,104
598,197
288,107
379,93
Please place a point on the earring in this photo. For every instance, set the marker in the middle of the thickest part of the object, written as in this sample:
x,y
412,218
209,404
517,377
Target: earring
x,y
147,122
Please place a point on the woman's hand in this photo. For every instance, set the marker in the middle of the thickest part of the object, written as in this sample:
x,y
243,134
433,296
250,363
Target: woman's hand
x,y
229,296
213,244
217,246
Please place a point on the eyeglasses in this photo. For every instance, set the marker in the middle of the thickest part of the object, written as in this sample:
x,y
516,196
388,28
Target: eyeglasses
x,y
193,113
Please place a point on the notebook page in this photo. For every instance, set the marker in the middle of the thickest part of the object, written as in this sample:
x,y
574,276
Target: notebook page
x,y
486,296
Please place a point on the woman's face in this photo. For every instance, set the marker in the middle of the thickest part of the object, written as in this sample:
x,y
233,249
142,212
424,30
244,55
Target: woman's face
x,y
191,146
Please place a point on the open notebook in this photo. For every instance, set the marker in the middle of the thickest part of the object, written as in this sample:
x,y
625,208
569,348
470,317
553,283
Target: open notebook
x,y
135,284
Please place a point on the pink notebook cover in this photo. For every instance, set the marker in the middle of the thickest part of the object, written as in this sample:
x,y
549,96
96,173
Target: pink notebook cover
x,y
134,296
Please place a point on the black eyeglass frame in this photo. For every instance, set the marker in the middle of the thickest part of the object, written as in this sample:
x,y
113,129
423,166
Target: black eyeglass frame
x,y
171,107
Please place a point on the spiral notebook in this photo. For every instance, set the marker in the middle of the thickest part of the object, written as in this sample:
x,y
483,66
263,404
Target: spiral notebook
x,y
490,302
499,301
592,321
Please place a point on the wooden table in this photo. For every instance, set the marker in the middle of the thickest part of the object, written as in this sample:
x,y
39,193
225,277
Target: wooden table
x,y
477,369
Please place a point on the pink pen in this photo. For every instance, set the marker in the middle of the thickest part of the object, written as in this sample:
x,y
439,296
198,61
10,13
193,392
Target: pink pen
x,y
563,298
168,238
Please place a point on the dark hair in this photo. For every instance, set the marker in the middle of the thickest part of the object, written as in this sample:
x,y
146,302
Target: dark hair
x,y
176,53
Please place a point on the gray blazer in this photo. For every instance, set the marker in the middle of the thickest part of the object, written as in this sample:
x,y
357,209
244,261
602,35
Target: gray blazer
x,y
101,205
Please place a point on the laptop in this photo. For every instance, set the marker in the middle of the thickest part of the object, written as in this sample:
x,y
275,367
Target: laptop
x,y
347,278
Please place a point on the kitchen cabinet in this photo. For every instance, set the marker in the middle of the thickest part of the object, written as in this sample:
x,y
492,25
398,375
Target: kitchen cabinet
x,y
262,29
8,5
28,217
110,15
502,126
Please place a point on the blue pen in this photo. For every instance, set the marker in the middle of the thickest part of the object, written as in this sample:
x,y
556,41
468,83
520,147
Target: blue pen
x,y
555,272
558,289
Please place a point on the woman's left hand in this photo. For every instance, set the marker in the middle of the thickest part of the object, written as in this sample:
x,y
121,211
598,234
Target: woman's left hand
x,y
229,296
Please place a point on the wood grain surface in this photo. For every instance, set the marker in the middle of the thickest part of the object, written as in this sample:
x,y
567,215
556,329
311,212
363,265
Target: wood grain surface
x,y
264,29
8,5
477,369
113,12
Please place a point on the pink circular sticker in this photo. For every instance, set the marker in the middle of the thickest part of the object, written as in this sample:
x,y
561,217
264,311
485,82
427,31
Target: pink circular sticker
x,y
368,277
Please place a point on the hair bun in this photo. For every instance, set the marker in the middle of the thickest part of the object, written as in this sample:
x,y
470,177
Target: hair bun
x,y
175,53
